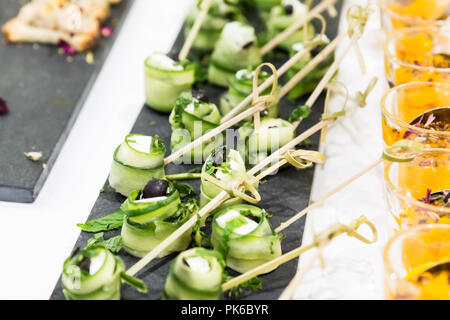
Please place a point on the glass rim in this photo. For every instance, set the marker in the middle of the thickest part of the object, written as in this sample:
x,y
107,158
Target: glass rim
x,y
408,199
400,234
391,56
414,20
402,123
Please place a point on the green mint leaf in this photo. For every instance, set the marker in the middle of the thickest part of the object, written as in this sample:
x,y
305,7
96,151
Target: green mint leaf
x,y
109,222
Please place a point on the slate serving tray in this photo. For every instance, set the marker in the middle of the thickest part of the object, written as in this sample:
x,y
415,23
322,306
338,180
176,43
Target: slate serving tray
x,y
45,94
282,195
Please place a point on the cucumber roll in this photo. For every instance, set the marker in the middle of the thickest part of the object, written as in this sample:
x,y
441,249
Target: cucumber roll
x,y
272,135
310,81
243,234
283,16
190,119
220,13
151,217
94,273
240,86
165,79
228,167
195,274
138,159
236,49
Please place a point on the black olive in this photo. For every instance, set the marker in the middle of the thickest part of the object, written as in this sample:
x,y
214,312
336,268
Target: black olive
x,y
200,95
155,188
288,9
248,45
74,252
85,264
229,15
447,198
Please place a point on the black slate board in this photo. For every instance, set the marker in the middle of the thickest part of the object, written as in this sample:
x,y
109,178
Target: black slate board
x,y
282,195
45,94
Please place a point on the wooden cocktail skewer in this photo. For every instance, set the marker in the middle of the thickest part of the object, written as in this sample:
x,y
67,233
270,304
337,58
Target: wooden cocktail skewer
x,y
249,112
205,5
320,240
297,25
415,149
219,199
291,83
288,292
319,202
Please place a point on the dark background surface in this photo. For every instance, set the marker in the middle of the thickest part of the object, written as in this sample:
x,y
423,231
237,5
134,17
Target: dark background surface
x,y
283,195
45,94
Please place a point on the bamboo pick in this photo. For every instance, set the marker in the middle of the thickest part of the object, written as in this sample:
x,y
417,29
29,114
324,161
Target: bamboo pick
x,y
319,202
288,292
312,64
230,120
323,238
329,74
214,203
206,4
297,25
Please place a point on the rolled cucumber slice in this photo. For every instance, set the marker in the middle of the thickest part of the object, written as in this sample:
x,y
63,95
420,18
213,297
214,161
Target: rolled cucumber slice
x,y
133,167
272,134
219,14
165,80
236,49
93,273
283,16
142,151
195,274
227,166
240,86
147,223
243,234
190,119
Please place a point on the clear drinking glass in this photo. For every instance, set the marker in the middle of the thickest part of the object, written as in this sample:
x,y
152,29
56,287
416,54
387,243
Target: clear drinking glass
x,y
399,14
403,109
417,264
417,54
418,191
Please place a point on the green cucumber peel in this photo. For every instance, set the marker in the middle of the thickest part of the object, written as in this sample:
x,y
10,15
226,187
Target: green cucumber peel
x,y
134,282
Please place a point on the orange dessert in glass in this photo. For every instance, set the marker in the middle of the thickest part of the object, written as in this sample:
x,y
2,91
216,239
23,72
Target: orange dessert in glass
x,y
417,54
398,14
418,191
417,264
417,111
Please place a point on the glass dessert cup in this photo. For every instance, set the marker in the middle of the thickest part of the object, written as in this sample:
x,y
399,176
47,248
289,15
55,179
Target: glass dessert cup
x,y
417,191
417,54
399,14
403,114
417,264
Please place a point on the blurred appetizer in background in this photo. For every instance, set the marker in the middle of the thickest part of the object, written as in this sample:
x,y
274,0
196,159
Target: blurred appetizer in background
x,y
75,23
